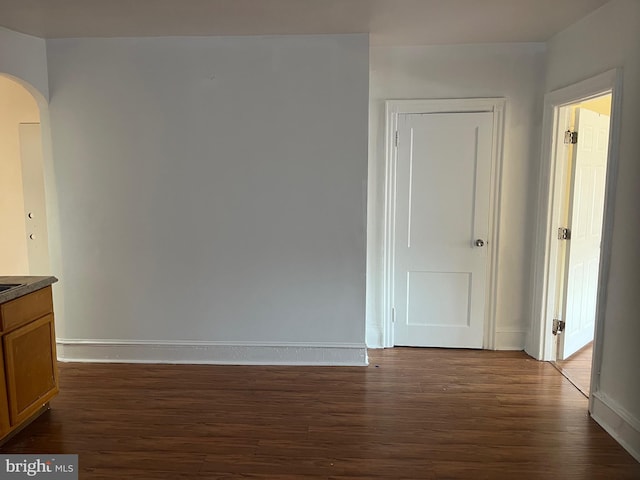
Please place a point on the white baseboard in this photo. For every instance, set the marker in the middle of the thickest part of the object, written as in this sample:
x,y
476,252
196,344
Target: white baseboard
x,y
618,423
229,353
510,339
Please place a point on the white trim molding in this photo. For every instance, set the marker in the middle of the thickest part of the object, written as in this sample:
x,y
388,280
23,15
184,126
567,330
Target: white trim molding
x,y
618,422
223,353
540,342
510,338
394,108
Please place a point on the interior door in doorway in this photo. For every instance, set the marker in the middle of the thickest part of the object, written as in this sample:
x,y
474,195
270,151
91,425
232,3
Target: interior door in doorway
x,y
442,219
586,207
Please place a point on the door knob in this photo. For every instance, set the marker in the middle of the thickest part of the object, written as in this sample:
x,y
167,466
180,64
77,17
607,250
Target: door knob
x,y
479,243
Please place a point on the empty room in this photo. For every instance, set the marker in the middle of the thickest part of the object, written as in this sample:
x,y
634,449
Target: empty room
x,y
319,239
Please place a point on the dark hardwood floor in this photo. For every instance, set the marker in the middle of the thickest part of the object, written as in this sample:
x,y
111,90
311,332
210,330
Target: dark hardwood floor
x,y
412,414
577,368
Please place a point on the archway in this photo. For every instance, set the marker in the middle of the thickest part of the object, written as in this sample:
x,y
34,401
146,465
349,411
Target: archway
x,y
24,244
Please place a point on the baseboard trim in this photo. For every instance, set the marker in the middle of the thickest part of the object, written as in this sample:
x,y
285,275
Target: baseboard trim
x,y
224,353
510,339
618,423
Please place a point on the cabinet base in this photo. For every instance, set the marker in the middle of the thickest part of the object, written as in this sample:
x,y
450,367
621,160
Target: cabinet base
x,y
26,423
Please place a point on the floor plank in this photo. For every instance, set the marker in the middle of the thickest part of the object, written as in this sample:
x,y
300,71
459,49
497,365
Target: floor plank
x,y
412,414
577,368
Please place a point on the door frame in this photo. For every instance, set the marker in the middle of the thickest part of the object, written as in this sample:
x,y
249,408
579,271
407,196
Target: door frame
x,y
542,344
394,108
569,206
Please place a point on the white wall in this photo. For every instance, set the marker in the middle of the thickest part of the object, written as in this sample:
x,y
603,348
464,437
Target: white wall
x,y
212,190
513,71
35,205
24,57
606,39
17,106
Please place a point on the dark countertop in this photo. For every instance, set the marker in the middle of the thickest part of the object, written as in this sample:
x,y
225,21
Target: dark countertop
x,y
28,285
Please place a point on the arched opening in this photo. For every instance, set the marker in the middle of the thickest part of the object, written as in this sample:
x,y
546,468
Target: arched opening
x,y
24,247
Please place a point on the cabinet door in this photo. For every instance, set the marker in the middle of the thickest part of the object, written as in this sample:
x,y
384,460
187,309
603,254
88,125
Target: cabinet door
x,y
4,400
31,368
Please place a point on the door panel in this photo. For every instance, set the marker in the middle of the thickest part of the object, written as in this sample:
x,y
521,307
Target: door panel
x,y
442,206
444,305
586,213
31,369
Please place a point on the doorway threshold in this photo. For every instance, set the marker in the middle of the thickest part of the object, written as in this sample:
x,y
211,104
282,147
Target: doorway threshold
x,y
577,369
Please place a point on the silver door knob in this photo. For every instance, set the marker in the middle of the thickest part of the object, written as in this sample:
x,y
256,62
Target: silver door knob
x,y
479,242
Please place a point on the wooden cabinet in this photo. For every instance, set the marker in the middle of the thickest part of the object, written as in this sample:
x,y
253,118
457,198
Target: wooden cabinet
x,y
29,374
25,309
5,425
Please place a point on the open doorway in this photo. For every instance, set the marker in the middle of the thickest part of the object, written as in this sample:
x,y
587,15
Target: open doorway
x,y
583,158
552,337
24,240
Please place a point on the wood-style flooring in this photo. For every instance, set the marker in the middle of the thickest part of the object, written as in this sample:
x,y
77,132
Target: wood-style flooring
x,y
411,414
577,368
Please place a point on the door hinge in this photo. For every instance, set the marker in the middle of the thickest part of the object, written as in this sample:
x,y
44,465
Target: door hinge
x,y
396,139
558,326
393,315
564,234
570,137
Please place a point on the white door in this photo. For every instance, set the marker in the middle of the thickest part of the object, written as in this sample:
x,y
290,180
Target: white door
x,y
583,249
442,210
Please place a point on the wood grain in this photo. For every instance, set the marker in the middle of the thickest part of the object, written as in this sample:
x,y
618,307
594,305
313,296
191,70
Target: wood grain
x,y
30,366
23,310
5,424
412,414
577,368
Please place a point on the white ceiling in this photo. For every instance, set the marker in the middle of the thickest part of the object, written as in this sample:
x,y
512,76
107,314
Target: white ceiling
x,y
389,22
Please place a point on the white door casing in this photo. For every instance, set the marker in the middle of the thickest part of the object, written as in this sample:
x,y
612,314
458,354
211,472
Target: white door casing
x,y
424,248
541,343
588,173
